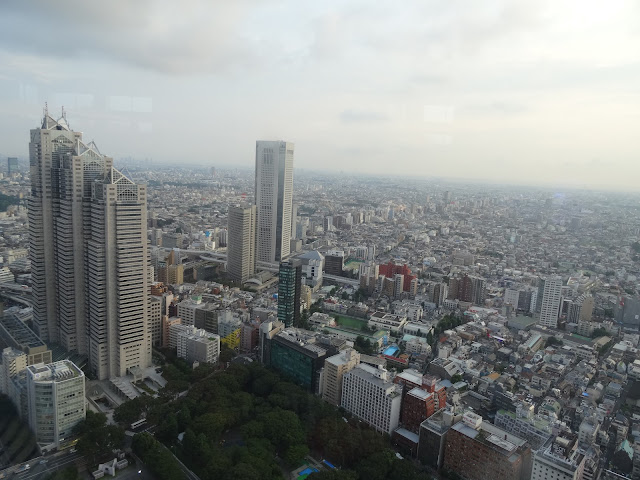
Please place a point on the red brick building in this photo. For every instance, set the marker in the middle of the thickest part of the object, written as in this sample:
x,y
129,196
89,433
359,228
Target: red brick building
x,y
477,450
390,269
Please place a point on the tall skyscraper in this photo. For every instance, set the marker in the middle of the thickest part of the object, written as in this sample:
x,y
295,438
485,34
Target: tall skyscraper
x,y
88,251
289,287
273,199
241,258
550,305
12,165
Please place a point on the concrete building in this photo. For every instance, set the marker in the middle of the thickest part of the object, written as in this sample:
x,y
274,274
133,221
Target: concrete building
x,y
241,258
312,263
551,290
155,320
387,321
56,401
88,252
229,322
369,394
13,362
524,424
273,199
334,369
167,323
477,450
334,262
559,459
197,345
581,309
432,436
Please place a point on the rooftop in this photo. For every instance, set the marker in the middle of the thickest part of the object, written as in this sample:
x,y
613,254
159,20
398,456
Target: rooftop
x,y
17,334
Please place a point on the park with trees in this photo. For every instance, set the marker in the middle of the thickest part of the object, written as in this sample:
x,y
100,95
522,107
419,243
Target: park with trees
x,y
249,423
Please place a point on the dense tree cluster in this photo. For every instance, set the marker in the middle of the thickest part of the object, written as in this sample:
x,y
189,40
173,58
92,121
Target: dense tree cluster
x,y
247,423
156,457
7,200
599,332
446,323
363,345
97,440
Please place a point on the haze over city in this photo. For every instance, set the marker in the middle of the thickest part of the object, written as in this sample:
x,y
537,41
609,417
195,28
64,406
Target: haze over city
x,y
536,92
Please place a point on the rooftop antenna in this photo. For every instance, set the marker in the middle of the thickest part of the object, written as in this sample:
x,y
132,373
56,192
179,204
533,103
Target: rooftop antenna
x,y
46,109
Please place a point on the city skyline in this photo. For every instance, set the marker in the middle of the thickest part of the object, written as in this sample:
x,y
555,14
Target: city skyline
x,y
542,93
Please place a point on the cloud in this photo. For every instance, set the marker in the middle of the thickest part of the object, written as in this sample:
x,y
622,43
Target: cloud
x,y
361,116
166,36
498,107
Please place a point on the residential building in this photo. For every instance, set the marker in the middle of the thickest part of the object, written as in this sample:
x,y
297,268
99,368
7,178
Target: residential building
x,y
167,338
524,424
241,258
273,199
370,395
559,459
198,345
155,320
55,394
13,362
417,406
477,450
335,368
581,309
312,263
334,262
551,289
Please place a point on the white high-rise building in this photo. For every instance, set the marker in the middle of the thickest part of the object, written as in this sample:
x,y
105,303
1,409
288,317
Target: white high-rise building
x,y
56,400
241,258
88,251
551,297
369,394
273,199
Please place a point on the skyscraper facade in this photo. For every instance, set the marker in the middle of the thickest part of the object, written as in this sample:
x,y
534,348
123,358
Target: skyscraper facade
x,y
88,251
289,287
273,199
56,401
241,258
550,305
12,165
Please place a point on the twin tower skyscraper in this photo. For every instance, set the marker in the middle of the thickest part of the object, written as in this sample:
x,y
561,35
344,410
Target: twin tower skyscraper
x,y
262,232
90,265
88,248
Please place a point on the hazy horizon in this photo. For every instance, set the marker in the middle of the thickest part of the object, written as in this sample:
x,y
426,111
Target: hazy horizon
x,y
542,93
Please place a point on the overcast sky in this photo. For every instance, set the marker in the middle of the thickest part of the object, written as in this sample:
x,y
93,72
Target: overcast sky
x,y
514,91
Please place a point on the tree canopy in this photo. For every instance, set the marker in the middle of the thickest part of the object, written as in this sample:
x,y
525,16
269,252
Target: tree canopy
x,y
247,422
